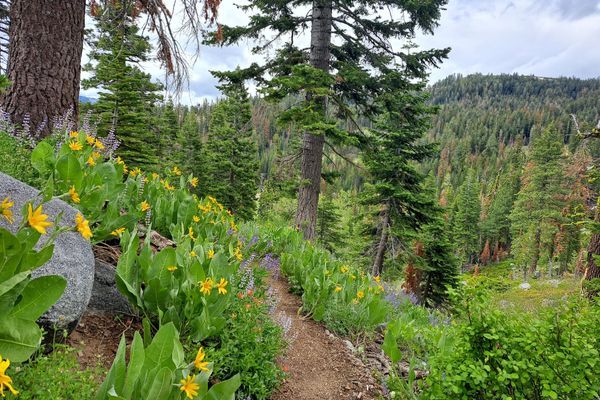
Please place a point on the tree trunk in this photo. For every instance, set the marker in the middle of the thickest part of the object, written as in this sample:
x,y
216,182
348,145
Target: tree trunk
x,y
536,251
44,61
380,254
312,147
592,270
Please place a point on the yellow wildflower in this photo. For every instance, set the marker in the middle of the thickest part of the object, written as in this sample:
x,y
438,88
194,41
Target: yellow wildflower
x,y
210,254
90,140
74,196
193,253
5,210
168,186
73,134
221,286
194,182
196,218
5,380
199,362
191,233
344,269
83,226
98,144
75,145
37,220
95,155
338,289
171,268
360,294
135,172
118,231
377,278
238,254
212,199
189,386
144,206
90,161
176,171
154,176
206,286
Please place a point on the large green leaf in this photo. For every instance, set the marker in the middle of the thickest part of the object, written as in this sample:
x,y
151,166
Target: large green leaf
x,y
38,296
161,386
19,338
136,362
12,282
160,352
69,170
224,390
117,368
42,157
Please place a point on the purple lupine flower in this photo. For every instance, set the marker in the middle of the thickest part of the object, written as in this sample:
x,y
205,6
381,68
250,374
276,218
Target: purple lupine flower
x,y
253,241
110,142
271,264
230,231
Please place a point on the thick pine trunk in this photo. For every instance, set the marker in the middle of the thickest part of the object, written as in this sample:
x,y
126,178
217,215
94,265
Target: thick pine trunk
x,y
536,251
592,269
312,147
383,238
44,62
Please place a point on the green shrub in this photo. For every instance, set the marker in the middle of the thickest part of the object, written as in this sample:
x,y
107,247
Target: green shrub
x,y
56,376
249,345
16,160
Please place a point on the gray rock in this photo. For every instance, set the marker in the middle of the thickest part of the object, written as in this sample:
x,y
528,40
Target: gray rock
x,y
72,258
105,295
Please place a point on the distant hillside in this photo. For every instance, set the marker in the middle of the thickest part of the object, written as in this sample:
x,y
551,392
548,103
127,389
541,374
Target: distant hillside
x,y
85,99
481,116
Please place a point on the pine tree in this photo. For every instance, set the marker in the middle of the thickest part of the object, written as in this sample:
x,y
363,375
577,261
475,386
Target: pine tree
x,y
438,267
230,170
127,95
391,159
170,151
189,144
536,216
466,219
328,230
349,63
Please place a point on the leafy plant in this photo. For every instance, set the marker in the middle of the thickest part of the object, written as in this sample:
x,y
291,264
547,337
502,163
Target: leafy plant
x,y
23,299
154,368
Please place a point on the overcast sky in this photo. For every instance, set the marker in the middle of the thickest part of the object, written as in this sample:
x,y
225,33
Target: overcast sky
x,y
541,37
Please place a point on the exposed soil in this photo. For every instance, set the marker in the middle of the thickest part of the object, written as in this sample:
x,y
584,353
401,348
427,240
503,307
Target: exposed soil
x,y
319,365
97,337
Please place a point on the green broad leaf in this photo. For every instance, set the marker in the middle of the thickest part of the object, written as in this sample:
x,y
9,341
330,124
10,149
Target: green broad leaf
x,y
69,170
19,338
136,363
390,347
224,390
42,157
160,352
12,282
161,385
35,259
38,296
115,374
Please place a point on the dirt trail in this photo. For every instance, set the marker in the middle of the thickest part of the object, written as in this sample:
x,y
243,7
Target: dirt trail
x,y
319,365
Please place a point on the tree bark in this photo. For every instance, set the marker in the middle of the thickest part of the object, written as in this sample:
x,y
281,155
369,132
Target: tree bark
x,y
44,61
536,251
592,270
380,254
312,147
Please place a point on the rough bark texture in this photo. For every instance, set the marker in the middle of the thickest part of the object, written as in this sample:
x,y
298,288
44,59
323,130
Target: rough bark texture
x,y
536,251
379,255
44,62
592,270
312,148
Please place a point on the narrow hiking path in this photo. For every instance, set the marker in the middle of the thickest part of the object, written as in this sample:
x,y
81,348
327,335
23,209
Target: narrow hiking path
x,y
319,365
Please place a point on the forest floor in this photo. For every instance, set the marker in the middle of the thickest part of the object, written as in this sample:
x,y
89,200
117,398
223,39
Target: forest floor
x,y
319,365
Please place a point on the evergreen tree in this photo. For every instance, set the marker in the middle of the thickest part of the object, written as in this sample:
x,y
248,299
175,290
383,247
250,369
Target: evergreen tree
x,y
189,144
230,170
328,230
391,160
437,265
466,219
168,136
349,63
537,213
127,95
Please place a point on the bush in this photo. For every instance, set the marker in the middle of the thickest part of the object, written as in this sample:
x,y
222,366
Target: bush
x,y
249,345
492,355
16,160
